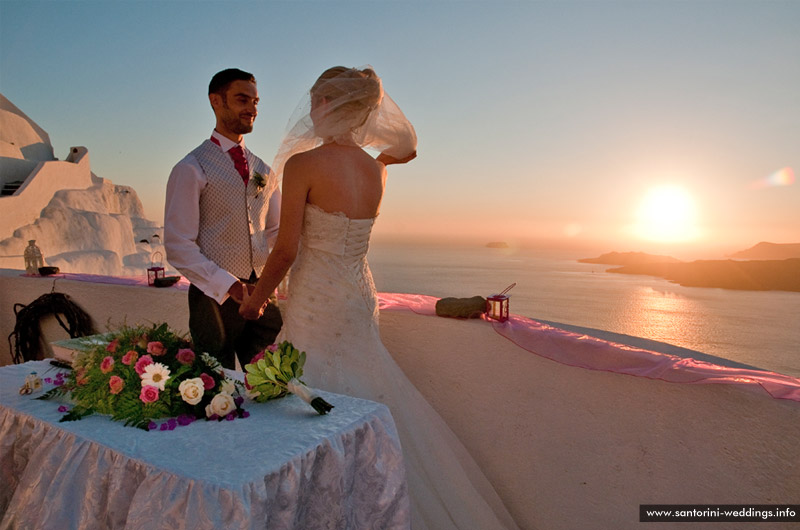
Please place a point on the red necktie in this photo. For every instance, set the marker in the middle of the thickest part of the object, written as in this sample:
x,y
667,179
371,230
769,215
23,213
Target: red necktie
x,y
239,161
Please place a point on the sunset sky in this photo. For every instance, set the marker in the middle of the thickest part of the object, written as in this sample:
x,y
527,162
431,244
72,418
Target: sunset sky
x,y
660,126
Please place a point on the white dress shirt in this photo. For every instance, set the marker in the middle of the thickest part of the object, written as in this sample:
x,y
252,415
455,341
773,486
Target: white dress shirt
x,y
182,224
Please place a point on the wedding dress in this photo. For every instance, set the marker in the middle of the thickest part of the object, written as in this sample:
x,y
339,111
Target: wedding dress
x,y
332,314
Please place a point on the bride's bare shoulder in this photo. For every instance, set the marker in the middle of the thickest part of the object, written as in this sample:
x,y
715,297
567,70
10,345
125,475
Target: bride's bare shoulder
x,y
327,156
302,162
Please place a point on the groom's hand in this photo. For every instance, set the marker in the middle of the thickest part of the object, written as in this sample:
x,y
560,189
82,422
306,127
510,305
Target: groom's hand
x,y
235,291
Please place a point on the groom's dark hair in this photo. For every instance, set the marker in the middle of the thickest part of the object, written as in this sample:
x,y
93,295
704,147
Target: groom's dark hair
x,y
222,80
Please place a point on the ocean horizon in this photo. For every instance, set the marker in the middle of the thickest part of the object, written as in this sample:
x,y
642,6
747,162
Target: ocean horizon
x,y
756,328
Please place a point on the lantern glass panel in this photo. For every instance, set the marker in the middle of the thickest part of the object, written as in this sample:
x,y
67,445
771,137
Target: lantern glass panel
x,y
498,307
153,273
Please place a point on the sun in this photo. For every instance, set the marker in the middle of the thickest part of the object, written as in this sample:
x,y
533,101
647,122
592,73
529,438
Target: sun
x,y
667,214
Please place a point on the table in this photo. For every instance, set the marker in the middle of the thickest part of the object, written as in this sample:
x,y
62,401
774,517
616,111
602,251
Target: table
x,y
282,467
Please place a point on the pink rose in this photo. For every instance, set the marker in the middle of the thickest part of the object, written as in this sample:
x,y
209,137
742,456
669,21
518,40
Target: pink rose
x,y
156,348
130,357
107,364
273,348
208,381
257,357
185,356
149,394
112,346
116,384
143,361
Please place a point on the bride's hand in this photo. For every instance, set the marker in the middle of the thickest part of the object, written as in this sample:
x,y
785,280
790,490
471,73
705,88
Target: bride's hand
x,y
389,159
247,309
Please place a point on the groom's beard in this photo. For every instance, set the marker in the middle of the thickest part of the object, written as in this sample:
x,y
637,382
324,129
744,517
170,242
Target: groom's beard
x,y
238,124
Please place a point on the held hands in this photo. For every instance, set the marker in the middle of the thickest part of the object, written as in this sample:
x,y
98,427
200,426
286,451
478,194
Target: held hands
x,y
247,308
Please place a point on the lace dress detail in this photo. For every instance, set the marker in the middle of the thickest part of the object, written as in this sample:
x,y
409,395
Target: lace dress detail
x,y
332,314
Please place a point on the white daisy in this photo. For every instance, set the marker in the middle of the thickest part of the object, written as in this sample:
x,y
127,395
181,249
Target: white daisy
x,y
156,375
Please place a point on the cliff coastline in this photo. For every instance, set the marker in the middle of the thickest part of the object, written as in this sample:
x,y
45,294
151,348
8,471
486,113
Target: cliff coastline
x,y
749,275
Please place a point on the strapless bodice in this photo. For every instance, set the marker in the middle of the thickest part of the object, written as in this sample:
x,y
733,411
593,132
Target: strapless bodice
x,y
336,233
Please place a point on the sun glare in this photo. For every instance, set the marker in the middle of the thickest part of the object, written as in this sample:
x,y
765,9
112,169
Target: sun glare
x,y
667,214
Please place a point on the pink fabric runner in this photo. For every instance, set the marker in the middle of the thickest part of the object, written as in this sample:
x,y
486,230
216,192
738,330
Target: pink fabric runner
x,y
566,347
574,349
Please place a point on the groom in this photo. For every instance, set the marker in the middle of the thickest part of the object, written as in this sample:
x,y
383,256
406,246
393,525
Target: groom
x,y
221,218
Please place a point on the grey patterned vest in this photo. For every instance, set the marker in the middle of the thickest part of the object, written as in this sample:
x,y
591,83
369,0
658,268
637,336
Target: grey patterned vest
x,y
233,217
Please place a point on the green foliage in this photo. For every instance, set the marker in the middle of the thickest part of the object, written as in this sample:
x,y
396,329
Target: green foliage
x,y
269,374
54,392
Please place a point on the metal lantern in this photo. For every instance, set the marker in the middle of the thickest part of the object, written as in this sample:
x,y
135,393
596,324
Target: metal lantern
x,y
33,258
155,270
497,305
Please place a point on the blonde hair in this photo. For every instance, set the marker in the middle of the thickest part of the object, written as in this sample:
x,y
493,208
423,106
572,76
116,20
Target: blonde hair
x,y
352,91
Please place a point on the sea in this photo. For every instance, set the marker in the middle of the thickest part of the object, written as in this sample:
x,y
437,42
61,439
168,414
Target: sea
x,y
756,328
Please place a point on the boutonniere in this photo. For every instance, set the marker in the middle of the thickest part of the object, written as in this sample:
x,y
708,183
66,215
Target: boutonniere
x,y
260,181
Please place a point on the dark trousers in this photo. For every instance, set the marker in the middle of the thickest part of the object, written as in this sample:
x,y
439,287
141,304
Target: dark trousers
x,y
221,332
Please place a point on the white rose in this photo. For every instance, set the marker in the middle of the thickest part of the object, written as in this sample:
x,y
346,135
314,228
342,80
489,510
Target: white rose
x,y
221,405
192,390
228,386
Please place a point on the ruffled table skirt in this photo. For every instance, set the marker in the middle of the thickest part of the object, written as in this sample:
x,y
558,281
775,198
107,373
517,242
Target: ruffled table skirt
x,y
283,467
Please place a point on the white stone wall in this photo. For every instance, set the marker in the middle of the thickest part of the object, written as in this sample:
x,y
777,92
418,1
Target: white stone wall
x,y
23,143
80,222
25,207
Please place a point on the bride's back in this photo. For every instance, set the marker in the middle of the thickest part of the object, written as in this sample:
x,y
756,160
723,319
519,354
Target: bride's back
x,y
343,178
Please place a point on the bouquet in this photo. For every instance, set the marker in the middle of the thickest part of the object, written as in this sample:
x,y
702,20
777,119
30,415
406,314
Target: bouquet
x,y
275,372
145,373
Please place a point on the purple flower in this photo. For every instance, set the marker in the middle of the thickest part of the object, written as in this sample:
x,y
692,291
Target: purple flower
x,y
63,408
231,416
245,414
238,400
185,419
48,380
213,417
163,427
151,426
172,424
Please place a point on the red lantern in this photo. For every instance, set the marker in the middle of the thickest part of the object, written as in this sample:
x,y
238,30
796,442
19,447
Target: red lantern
x,y
497,305
155,271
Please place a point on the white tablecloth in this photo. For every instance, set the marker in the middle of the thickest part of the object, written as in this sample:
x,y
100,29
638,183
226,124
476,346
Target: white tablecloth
x,y
283,467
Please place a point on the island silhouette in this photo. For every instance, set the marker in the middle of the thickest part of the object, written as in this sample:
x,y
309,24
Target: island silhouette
x,y
741,274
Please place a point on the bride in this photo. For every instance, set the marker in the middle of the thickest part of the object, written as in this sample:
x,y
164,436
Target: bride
x,y
332,191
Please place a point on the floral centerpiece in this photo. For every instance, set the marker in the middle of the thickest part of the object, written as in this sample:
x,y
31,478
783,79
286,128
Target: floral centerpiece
x,y
145,373
276,371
